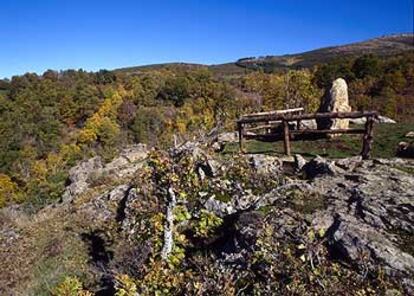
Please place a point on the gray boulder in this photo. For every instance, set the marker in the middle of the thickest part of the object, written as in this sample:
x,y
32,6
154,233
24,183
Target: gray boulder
x,y
266,164
300,162
82,175
355,241
405,149
104,207
369,218
384,119
78,177
349,163
318,167
308,124
379,119
228,137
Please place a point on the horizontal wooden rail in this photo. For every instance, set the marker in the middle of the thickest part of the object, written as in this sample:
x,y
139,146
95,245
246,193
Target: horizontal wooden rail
x,y
277,136
307,132
250,129
333,115
273,112
332,131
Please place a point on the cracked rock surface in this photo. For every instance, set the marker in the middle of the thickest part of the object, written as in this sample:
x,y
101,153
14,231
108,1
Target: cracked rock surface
x,y
358,213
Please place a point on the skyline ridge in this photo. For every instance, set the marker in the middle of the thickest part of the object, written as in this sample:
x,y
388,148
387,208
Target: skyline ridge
x,y
121,68
40,35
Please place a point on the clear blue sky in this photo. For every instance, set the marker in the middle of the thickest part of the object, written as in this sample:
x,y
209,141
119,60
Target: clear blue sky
x,y
36,35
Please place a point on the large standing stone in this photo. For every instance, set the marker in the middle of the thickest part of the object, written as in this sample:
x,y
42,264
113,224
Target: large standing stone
x,y
335,100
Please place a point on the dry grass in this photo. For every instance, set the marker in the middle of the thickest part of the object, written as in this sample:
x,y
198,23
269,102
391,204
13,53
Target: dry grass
x,y
38,251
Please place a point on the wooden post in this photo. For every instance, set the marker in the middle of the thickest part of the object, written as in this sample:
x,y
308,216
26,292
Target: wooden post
x,y
286,137
240,128
368,137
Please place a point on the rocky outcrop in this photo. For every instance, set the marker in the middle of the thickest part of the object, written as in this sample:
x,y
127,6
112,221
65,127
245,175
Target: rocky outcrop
x,y
246,215
266,164
126,162
319,167
79,176
366,209
85,173
335,100
228,137
369,211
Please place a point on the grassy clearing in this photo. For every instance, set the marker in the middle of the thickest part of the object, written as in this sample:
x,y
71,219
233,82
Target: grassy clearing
x,y
386,139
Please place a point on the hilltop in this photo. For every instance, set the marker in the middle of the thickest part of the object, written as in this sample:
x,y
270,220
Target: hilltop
x,y
382,46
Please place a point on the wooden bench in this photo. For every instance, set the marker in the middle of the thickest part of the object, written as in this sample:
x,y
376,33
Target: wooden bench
x,y
271,121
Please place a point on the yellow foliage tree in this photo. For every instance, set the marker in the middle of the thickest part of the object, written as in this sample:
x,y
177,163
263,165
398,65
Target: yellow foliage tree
x,y
288,90
70,152
9,191
103,122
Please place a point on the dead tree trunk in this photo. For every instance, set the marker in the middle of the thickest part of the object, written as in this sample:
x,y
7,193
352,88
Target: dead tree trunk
x,y
169,225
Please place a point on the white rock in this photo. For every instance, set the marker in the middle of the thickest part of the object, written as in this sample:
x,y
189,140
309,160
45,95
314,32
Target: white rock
x,y
228,137
336,100
380,119
308,124
409,134
384,119
299,162
362,120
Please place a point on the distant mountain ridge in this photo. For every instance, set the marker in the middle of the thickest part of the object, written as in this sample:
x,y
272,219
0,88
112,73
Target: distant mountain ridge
x,y
384,45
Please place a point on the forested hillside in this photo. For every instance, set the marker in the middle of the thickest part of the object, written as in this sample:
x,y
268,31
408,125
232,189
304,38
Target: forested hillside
x,y
50,121
382,46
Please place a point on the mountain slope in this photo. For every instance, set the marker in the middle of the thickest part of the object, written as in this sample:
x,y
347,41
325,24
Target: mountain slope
x,y
383,46
386,45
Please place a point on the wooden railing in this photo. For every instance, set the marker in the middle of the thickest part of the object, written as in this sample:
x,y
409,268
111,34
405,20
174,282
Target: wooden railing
x,y
268,120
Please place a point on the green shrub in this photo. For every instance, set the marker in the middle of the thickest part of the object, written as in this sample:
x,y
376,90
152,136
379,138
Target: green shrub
x,y
207,223
70,286
125,286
